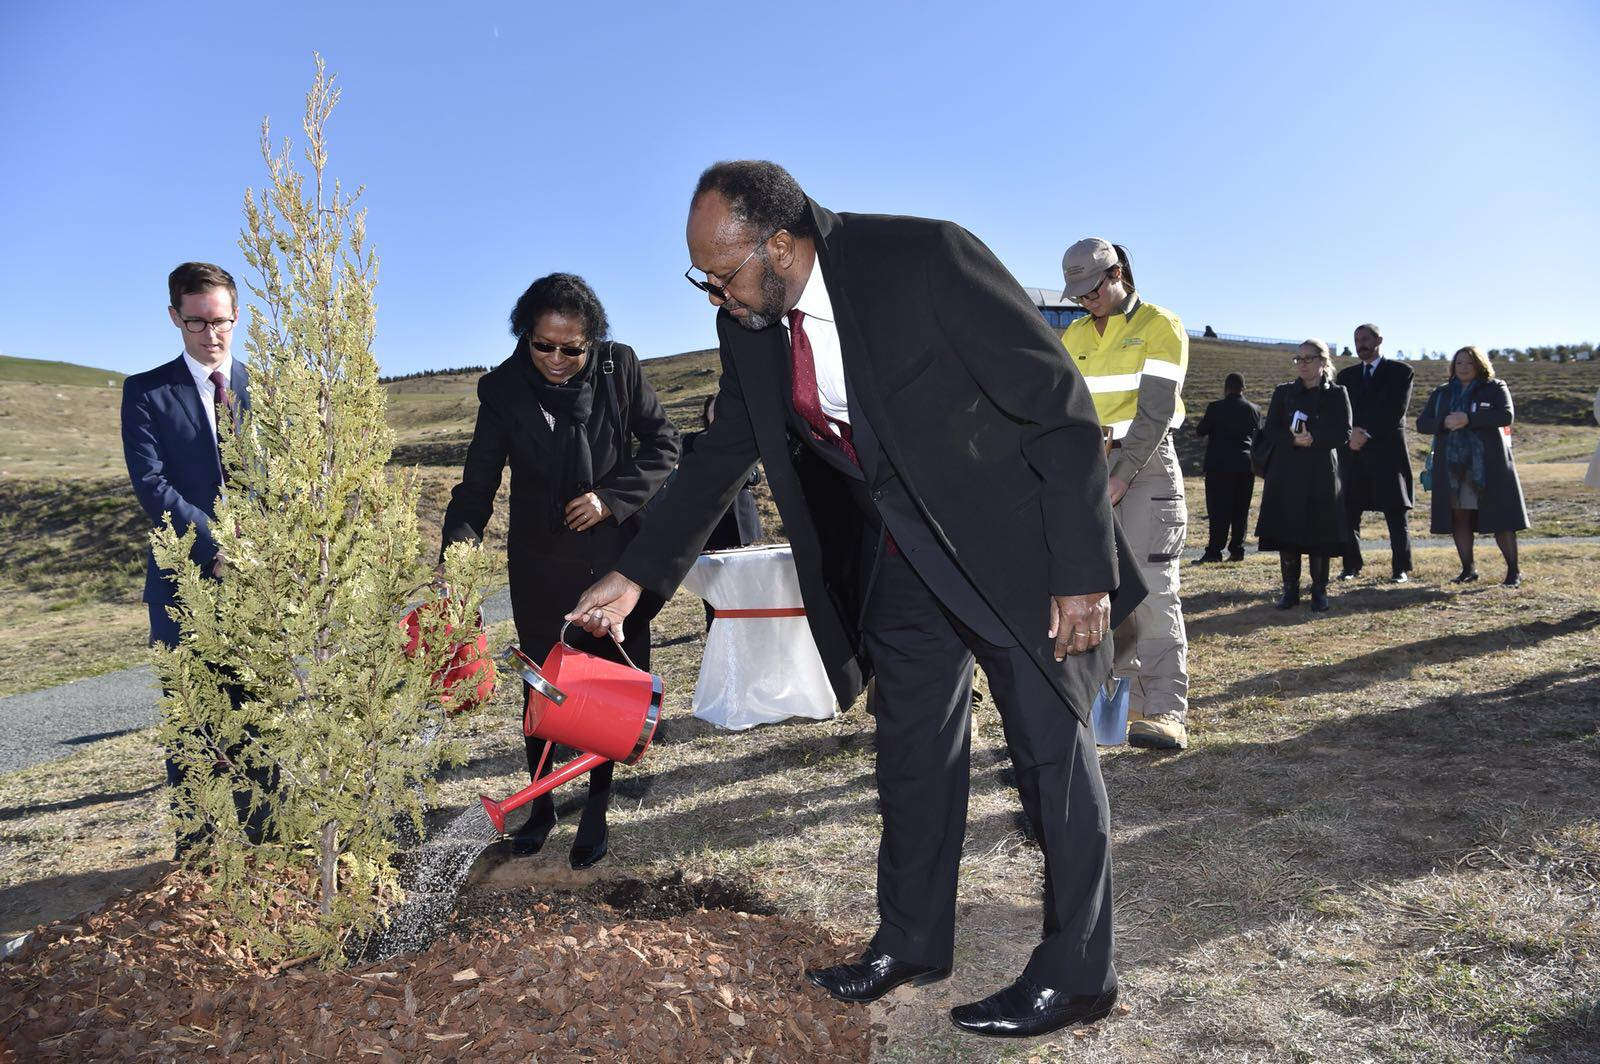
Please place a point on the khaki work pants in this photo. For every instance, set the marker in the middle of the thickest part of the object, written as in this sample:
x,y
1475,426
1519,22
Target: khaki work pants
x,y
1152,648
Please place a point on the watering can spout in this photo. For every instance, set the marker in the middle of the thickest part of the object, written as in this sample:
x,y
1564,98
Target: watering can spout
x,y
543,785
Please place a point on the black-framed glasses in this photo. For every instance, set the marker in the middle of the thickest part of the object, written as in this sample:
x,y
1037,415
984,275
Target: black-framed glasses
x,y
1095,291
1301,360
719,292
550,349
200,325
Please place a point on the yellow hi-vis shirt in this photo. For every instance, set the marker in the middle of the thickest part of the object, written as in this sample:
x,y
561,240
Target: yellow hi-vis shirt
x,y
1149,341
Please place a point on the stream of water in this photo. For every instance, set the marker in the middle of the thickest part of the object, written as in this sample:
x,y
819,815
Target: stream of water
x,y
442,865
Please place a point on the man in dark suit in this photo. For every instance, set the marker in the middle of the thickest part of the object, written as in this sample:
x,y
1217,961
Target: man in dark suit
x,y
170,419
939,469
1375,468
1230,425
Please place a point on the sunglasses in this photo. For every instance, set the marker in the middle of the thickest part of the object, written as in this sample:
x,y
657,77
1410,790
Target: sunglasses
x,y
719,292
550,349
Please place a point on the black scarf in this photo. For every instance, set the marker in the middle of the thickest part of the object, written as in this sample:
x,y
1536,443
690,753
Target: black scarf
x,y
570,404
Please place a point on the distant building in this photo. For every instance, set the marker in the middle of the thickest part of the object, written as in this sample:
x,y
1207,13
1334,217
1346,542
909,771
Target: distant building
x,y
1057,311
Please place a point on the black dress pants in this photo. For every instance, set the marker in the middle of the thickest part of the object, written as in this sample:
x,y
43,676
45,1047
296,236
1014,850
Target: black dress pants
x,y
1399,538
923,660
1228,498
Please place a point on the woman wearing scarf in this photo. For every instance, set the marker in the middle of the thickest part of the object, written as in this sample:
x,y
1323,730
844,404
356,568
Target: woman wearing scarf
x,y
588,445
1302,505
1475,485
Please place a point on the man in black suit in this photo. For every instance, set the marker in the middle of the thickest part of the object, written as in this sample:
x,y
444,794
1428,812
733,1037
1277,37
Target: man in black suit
x,y
1230,425
1375,467
171,418
939,469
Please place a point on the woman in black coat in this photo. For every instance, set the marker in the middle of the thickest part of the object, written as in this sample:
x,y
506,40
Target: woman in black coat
x,y
1302,508
1475,484
588,445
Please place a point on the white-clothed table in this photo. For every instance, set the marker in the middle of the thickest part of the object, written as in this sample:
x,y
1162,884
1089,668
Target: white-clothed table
x,y
761,664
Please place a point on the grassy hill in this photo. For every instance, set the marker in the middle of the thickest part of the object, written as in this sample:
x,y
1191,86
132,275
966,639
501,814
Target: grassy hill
x,y
38,371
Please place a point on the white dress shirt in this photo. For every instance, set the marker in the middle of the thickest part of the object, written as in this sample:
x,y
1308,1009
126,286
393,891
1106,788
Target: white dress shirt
x,y
823,333
208,391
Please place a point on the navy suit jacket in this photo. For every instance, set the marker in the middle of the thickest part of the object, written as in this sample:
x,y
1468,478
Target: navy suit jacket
x,y
175,468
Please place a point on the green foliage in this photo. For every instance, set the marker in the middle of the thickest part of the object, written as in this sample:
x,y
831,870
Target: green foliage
x,y
323,557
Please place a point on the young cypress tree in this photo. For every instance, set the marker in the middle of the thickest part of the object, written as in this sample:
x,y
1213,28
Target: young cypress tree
x,y
322,558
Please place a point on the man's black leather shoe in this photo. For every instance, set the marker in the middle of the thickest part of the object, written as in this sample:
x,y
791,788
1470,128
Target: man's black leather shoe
x,y
873,976
1350,574
1025,1009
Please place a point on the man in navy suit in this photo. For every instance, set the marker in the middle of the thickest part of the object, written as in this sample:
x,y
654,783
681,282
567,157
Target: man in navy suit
x,y
170,416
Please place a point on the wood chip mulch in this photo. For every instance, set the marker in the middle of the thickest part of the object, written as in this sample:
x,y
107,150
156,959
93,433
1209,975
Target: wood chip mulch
x,y
151,977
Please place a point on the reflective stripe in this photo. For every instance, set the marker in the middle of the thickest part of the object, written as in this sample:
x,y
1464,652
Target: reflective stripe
x,y
1157,367
1112,382
1119,429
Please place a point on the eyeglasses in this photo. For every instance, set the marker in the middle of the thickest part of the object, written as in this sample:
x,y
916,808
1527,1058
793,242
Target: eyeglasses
x,y
200,325
1095,291
550,349
719,292
1302,359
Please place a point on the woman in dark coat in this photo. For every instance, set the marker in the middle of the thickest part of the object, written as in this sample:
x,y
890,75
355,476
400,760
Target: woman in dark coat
x,y
588,445
1475,485
1302,509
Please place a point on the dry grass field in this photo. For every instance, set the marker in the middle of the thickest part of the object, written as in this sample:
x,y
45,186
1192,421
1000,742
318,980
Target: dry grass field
x,y
1384,843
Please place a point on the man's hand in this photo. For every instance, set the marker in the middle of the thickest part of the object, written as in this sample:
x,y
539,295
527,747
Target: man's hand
x,y
218,565
601,609
1455,420
1302,438
586,511
1358,438
1116,488
1079,622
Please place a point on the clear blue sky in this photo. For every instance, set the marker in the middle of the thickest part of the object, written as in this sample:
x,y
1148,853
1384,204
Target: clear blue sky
x,y
1279,170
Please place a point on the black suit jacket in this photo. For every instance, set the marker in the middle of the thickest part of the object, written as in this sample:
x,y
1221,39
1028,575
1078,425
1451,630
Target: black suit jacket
x,y
1378,477
173,463
1230,425
988,426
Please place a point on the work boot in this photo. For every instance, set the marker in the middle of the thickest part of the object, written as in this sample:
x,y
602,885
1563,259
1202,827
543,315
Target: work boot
x,y
1289,565
1164,731
1319,584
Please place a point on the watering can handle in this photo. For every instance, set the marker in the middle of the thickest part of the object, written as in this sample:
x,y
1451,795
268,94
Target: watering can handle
x,y
531,675
614,639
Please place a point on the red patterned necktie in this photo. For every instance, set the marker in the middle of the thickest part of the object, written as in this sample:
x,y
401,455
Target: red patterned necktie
x,y
807,401
221,403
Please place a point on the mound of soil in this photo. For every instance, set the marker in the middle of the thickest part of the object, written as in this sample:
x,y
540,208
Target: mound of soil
x,y
151,977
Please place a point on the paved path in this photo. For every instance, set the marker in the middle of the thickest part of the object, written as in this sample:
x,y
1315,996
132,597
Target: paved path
x,y
44,725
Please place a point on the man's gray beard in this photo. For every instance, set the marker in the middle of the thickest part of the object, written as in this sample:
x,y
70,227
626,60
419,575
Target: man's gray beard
x,y
771,303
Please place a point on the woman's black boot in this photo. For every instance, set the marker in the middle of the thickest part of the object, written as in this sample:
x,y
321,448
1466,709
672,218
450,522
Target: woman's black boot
x,y
529,838
1290,565
1319,583
590,845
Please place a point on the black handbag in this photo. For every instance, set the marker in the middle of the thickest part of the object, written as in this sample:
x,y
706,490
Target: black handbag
x,y
1260,454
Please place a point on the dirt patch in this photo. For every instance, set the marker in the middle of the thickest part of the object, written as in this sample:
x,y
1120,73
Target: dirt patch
x,y
152,976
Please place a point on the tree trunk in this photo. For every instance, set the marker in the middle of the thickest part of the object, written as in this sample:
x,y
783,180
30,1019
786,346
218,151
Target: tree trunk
x,y
330,865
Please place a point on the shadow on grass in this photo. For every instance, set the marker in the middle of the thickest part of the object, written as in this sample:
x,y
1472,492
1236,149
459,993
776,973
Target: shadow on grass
x,y
19,812
37,901
1240,835
89,535
1358,673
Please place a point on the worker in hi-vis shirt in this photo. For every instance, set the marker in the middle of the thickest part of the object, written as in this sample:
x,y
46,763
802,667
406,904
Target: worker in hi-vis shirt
x,y
1133,355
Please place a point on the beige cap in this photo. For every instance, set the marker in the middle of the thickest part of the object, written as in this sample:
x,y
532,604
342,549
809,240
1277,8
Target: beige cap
x,y
1084,264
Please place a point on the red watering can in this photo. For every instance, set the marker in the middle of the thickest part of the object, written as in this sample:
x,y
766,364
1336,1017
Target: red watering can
x,y
469,677
608,711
